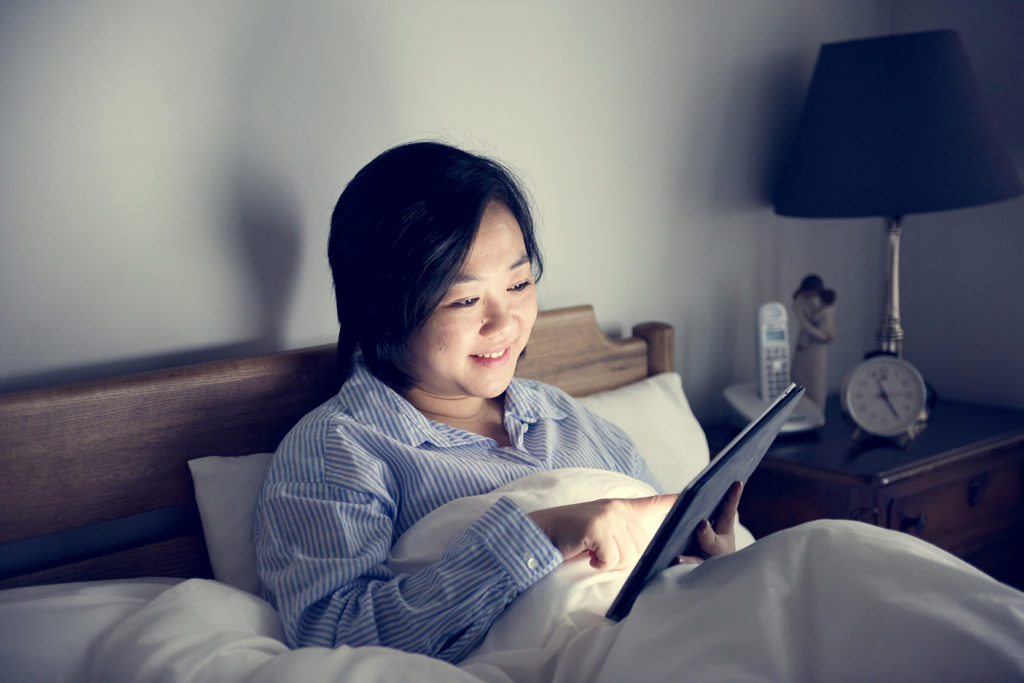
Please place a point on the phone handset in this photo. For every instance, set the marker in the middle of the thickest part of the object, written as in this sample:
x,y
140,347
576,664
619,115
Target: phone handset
x,y
772,349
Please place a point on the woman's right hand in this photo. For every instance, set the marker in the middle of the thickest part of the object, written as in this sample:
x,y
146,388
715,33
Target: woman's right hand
x,y
613,531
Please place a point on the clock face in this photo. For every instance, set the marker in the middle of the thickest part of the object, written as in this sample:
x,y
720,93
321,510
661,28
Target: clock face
x,y
884,395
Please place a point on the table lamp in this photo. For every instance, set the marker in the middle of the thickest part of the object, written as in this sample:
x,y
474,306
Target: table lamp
x,y
890,126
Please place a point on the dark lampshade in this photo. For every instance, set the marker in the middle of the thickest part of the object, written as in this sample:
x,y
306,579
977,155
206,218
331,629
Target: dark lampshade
x,y
891,126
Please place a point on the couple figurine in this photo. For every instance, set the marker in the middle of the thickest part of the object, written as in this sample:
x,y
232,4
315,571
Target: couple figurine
x,y
814,311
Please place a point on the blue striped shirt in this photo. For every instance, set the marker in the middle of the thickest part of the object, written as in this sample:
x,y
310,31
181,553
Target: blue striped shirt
x,y
362,468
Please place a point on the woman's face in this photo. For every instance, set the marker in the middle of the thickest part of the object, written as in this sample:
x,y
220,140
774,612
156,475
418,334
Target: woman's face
x,y
470,345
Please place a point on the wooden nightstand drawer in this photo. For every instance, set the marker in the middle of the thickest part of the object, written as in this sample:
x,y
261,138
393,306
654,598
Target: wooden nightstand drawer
x,y
957,514
959,484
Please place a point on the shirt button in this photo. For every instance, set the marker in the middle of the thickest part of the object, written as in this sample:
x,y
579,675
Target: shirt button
x,y
532,563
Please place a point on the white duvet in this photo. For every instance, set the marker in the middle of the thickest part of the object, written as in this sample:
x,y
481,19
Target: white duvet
x,y
825,601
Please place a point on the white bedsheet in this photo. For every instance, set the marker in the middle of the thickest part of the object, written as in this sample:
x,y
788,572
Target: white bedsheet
x,y
47,632
825,601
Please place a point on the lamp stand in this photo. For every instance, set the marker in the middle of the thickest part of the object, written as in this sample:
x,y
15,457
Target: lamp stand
x,y
890,332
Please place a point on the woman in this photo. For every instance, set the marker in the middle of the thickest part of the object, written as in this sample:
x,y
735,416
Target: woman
x,y
435,265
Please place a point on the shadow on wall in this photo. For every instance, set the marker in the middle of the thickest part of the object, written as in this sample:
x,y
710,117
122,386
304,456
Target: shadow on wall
x,y
263,230
278,53
264,222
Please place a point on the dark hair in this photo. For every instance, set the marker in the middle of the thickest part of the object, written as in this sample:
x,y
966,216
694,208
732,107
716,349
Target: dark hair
x,y
400,232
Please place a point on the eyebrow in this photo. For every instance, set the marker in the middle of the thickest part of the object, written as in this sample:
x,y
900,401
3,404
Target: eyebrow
x,y
463,277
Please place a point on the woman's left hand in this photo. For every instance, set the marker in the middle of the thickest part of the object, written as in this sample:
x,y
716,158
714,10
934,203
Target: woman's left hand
x,y
720,540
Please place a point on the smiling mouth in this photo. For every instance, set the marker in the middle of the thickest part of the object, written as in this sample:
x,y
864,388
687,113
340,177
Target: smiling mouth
x,y
492,356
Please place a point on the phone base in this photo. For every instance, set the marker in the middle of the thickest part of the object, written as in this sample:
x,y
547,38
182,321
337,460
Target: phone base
x,y
745,400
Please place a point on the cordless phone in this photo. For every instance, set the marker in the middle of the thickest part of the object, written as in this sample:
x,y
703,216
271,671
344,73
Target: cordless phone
x,y
772,349
749,399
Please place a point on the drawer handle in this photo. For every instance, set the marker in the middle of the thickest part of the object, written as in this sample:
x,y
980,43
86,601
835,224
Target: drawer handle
x,y
871,515
974,489
914,523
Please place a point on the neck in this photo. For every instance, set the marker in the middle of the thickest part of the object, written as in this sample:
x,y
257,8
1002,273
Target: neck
x,y
484,416
443,409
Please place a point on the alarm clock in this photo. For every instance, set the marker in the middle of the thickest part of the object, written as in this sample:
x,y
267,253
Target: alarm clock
x,y
885,396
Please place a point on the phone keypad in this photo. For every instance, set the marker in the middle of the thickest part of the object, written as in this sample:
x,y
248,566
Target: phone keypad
x,y
776,371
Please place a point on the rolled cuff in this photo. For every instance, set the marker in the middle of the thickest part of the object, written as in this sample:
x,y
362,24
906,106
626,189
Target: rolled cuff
x,y
516,543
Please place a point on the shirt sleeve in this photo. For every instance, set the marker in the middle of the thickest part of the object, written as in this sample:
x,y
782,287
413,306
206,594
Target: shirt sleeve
x,y
322,554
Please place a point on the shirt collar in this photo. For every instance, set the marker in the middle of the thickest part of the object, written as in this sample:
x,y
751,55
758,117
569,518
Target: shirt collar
x,y
525,403
372,402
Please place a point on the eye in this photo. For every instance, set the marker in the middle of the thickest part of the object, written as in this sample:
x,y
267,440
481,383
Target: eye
x,y
464,303
521,286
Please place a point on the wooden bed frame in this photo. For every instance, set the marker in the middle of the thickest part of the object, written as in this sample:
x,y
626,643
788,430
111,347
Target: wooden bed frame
x,y
95,482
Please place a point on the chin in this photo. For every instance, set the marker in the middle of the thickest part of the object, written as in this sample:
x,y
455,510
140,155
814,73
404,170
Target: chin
x,y
495,388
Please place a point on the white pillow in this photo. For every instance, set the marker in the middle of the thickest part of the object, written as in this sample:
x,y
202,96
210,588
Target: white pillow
x,y
654,413
226,493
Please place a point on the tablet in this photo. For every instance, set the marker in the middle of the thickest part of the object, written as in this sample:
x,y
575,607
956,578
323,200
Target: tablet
x,y
699,500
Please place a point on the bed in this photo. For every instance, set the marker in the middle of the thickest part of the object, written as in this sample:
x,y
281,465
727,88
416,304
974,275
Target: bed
x,y
126,515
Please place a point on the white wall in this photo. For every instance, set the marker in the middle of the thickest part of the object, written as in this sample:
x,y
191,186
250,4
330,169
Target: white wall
x,y
169,169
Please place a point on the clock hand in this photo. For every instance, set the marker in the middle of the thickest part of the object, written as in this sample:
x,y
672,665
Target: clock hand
x,y
885,397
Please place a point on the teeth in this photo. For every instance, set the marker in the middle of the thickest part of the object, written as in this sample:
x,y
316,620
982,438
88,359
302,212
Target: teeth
x,y
489,355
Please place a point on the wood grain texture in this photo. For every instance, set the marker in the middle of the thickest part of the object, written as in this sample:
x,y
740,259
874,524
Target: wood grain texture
x,y
569,350
91,452
96,451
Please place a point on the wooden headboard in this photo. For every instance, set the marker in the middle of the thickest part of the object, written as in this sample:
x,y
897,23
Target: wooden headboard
x,y
95,482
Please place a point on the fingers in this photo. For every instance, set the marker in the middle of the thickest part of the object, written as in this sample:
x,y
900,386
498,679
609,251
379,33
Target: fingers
x,y
728,508
664,502
618,539
720,539
611,552
613,532
650,505
708,540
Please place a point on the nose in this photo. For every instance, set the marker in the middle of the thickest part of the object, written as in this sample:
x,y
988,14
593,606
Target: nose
x,y
498,320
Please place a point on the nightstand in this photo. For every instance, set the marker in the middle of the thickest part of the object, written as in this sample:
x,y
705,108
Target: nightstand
x,y
959,484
